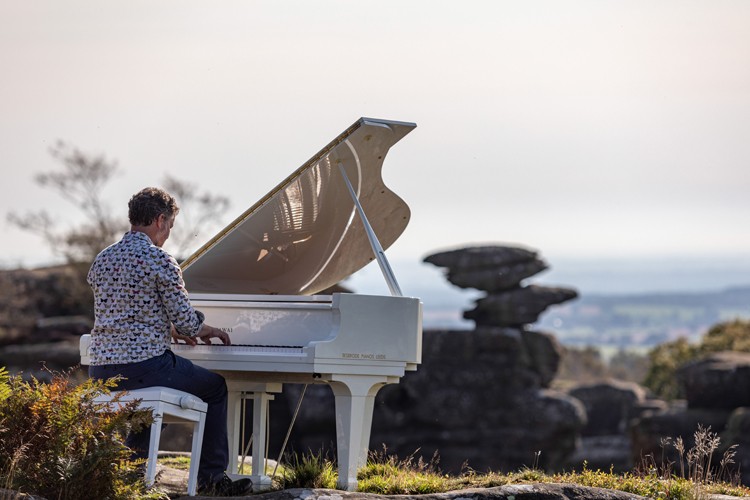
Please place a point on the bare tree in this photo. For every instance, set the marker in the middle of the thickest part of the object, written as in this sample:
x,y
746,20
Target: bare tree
x,y
203,210
81,182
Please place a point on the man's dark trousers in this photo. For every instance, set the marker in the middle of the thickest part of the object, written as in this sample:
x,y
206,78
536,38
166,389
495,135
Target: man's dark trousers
x,y
170,370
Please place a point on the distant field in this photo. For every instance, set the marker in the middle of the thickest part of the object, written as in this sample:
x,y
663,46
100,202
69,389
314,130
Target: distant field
x,y
643,320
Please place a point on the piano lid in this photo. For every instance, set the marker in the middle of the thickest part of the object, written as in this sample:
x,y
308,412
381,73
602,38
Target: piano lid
x,y
305,235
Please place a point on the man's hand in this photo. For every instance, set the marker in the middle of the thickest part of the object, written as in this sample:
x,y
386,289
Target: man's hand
x,y
205,334
176,337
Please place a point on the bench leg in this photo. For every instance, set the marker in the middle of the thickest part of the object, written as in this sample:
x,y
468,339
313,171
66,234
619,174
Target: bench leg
x,y
195,456
153,448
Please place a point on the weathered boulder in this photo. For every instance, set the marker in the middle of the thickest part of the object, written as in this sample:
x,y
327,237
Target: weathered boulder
x,y
610,405
489,268
500,270
720,381
478,397
519,306
535,491
496,279
737,433
652,433
481,257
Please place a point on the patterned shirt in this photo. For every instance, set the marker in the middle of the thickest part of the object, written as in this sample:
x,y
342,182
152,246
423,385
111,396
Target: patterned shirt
x,y
138,294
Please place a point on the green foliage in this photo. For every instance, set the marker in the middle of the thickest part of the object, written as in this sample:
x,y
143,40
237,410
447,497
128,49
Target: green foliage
x,y
728,336
5,390
310,470
665,359
387,475
58,442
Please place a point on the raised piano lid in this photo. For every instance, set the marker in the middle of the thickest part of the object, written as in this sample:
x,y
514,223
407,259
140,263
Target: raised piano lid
x,y
305,235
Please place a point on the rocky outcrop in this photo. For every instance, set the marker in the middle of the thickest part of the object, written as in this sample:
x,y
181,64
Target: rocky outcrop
x,y
490,399
718,381
480,397
610,407
536,491
500,271
517,306
717,388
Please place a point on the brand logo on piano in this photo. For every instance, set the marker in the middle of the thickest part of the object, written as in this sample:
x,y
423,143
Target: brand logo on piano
x,y
361,355
226,329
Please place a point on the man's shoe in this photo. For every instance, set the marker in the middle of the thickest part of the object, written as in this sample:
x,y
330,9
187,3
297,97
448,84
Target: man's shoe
x,y
225,487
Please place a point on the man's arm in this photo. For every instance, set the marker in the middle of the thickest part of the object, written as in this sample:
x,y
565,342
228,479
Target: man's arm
x,y
205,334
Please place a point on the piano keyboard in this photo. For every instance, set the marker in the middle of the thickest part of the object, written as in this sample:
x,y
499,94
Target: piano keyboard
x,y
241,348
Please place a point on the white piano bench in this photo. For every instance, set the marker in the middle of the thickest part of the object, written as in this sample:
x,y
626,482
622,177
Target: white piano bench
x,y
168,406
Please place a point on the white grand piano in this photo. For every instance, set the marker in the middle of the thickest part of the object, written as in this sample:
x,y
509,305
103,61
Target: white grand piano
x,y
258,280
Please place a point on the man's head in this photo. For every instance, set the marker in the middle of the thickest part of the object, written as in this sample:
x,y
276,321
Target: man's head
x,y
152,211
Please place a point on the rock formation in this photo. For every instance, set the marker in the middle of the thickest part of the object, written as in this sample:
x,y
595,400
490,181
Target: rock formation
x,y
611,406
480,397
500,271
718,396
490,402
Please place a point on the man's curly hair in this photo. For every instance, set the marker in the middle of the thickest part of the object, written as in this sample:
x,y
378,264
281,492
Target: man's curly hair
x,y
148,204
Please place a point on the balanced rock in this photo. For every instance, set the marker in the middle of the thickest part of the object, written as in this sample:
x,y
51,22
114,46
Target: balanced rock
x,y
517,307
481,257
488,268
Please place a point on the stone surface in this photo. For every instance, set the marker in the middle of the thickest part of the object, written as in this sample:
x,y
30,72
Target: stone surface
x,y
610,405
478,397
536,491
649,431
737,432
720,380
611,452
498,278
481,257
519,306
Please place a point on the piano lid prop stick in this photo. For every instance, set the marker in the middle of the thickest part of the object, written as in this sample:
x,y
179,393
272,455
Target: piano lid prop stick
x,y
289,431
377,249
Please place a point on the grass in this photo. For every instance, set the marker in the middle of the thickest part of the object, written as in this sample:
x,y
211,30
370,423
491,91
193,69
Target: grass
x,y
695,477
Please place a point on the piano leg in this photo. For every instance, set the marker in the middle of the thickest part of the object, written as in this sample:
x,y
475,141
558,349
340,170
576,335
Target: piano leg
x,y
234,426
355,397
260,424
259,393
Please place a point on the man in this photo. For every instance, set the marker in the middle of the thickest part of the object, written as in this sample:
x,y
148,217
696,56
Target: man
x,y
140,304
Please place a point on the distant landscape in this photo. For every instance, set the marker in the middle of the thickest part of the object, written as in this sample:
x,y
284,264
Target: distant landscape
x,y
631,304
639,321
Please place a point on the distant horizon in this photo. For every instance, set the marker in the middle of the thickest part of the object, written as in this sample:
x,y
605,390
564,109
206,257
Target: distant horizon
x,y
444,302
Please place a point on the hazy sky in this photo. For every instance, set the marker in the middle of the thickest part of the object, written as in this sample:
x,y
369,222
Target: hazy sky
x,y
584,128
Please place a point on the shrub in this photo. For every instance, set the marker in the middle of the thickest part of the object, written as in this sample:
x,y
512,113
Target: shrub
x,y
57,442
311,470
388,475
666,358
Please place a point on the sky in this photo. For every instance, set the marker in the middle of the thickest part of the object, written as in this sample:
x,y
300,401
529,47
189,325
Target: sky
x,y
607,131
